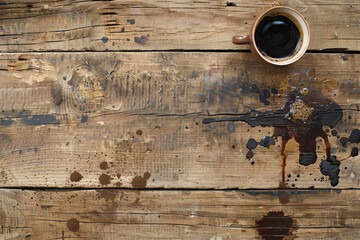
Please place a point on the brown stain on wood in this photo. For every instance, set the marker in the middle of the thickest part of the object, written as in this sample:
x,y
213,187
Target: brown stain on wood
x,y
21,31
108,194
75,176
176,142
139,132
284,197
275,226
73,225
140,182
104,165
104,179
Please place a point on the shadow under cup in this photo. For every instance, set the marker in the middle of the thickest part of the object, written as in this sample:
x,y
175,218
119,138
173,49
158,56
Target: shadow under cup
x,y
281,36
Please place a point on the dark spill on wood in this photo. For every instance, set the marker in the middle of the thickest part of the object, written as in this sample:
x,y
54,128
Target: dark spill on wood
x,y
302,117
75,176
73,225
275,226
140,182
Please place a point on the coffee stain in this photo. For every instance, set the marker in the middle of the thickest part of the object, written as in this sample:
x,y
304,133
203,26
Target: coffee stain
x,y
75,176
39,120
108,194
131,21
6,122
84,118
139,132
330,84
284,197
104,165
353,138
354,152
330,167
263,97
302,117
104,39
251,144
275,226
141,40
104,179
140,182
73,225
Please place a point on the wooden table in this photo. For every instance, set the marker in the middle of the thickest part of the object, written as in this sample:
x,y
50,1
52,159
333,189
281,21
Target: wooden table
x,y
141,120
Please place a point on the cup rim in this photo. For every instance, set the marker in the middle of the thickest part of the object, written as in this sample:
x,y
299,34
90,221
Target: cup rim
x,y
293,58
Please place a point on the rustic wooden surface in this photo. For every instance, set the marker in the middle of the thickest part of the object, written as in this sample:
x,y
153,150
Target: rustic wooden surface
x,y
102,133
148,119
118,214
161,25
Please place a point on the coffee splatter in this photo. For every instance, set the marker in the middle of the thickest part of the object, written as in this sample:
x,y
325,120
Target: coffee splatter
x,y
39,120
353,138
104,39
6,122
263,97
330,167
84,118
140,182
251,144
73,225
302,117
131,21
104,165
254,88
75,176
354,152
250,154
274,91
108,194
141,40
284,197
104,179
275,226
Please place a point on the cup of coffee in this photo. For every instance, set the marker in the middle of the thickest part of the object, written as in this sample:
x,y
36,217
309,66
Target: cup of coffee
x,y
279,36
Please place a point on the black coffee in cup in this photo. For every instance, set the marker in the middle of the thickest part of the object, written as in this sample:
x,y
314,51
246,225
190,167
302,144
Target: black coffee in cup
x,y
277,37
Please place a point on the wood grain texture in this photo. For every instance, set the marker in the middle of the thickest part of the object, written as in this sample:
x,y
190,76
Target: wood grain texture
x,y
134,120
161,25
115,214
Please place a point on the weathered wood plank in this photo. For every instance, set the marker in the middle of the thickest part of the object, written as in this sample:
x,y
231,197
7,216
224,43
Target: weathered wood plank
x,y
115,214
135,120
161,25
